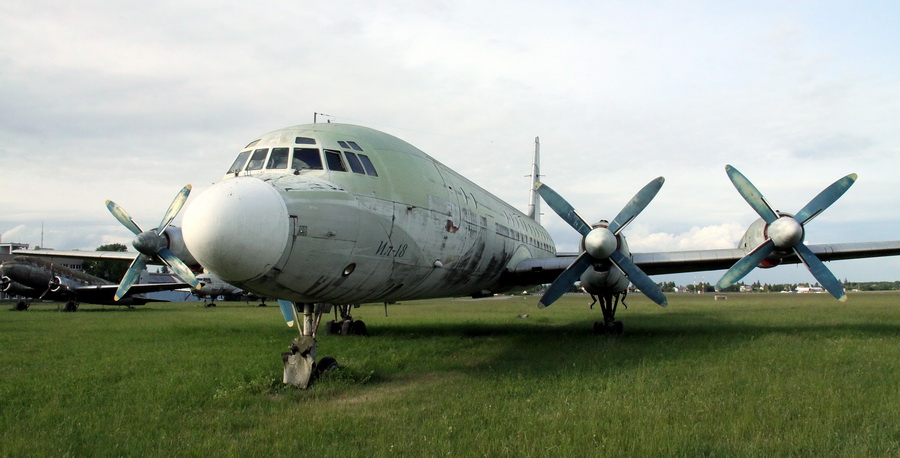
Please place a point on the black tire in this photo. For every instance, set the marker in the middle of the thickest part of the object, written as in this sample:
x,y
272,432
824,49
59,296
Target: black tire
x,y
325,364
329,327
359,328
346,327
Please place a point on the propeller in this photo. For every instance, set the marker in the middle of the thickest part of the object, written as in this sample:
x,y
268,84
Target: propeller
x,y
785,233
152,244
601,243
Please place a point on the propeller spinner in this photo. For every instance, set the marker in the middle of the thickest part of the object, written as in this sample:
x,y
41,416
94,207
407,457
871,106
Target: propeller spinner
x,y
785,233
152,244
601,243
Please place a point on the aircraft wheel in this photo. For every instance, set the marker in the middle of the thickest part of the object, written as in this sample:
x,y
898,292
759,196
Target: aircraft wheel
x,y
359,328
325,364
262,304
346,327
329,328
71,306
618,328
21,306
211,304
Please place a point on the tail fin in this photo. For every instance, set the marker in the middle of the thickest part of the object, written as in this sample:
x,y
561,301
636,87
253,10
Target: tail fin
x,y
534,200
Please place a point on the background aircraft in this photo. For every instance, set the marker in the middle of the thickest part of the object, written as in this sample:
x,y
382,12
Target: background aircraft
x,y
36,278
326,215
211,287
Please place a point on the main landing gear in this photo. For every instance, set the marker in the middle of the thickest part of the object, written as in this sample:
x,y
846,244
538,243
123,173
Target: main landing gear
x,y
608,305
345,325
300,366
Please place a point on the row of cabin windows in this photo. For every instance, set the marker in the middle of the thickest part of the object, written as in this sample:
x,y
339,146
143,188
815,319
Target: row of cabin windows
x,y
302,159
516,235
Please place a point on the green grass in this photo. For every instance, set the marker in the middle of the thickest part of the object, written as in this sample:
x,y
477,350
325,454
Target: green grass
x,y
758,374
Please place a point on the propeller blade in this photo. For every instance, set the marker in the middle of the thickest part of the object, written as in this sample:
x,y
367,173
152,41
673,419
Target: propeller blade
x,y
751,195
636,205
825,198
181,269
822,274
563,209
123,217
49,285
174,208
287,310
639,278
744,265
566,279
131,276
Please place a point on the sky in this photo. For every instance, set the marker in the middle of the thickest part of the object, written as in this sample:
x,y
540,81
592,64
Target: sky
x,y
131,101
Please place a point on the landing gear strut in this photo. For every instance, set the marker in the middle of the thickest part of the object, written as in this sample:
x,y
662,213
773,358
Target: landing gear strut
x,y
300,366
609,303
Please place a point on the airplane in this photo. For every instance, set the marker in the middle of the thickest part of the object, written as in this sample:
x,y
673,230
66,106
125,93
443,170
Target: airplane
x,y
210,286
334,215
36,278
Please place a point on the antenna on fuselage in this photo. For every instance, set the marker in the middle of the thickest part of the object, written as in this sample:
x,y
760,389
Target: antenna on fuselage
x,y
316,117
534,200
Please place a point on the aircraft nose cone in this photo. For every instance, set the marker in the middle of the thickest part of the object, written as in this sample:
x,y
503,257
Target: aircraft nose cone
x,y
237,229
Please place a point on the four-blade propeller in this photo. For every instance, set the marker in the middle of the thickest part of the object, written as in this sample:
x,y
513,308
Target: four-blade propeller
x,y
785,233
601,243
152,244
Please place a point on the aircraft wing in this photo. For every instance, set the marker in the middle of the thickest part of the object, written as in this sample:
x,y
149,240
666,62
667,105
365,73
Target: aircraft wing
x,y
121,256
103,294
534,271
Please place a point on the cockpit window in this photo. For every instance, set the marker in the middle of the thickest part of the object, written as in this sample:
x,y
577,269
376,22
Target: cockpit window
x,y
334,161
305,141
257,160
239,162
343,144
354,146
278,159
306,158
355,165
367,163
252,144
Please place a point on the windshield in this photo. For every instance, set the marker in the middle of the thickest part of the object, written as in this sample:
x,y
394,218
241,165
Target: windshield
x,y
239,162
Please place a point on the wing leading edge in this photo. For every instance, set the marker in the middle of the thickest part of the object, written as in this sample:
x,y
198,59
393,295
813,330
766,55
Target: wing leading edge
x,y
536,271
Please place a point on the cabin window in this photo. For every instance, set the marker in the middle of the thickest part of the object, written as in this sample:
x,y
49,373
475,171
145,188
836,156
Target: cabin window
x,y
278,159
305,141
355,165
354,146
239,162
335,163
257,159
306,158
367,164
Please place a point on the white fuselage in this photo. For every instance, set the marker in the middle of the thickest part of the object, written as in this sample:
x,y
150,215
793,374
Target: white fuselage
x,y
404,227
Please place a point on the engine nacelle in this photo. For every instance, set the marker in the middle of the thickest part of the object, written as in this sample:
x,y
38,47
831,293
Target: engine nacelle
x,y
178,248
606,278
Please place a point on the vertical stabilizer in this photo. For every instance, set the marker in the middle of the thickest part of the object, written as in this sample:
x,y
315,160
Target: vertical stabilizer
x,y
534,200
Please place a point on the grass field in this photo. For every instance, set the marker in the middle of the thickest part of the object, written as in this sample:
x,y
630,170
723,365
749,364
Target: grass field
x,y
758,374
